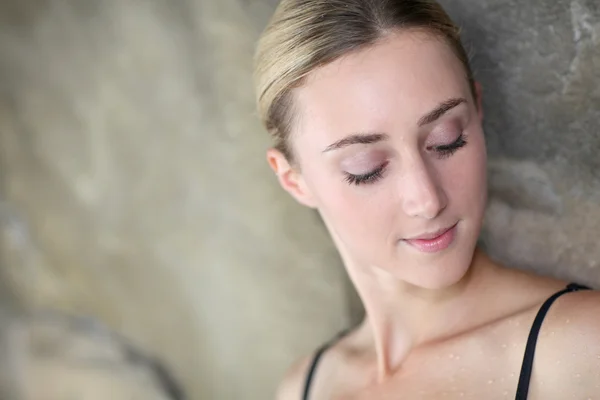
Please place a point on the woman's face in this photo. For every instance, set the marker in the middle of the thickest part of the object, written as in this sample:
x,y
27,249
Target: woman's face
x,y
390,148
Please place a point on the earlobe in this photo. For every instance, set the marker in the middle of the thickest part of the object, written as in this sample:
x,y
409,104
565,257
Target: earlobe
x,y
290,178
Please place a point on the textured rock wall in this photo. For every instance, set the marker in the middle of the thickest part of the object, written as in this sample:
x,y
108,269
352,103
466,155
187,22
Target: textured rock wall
x,y
133,186
54,357
135,189
539,63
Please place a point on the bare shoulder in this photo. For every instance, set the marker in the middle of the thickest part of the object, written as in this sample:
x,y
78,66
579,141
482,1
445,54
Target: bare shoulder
x,y
340,354
569,344
577,313
291,386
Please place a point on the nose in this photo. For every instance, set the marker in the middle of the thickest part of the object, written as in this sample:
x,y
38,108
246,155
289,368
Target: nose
x,y
421,194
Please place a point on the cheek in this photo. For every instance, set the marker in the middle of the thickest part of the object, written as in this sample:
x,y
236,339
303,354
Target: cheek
x,y
465,179
354,208
350,210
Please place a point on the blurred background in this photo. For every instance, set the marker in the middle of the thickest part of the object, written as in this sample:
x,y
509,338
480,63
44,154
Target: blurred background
x,y
147,252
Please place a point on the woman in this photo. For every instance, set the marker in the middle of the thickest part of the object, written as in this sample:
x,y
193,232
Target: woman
x,y
378,125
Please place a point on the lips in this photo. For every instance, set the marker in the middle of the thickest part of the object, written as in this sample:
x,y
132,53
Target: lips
x,y
434,242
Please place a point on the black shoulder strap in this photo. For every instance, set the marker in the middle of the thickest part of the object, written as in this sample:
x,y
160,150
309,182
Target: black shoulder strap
x,y
315,361
526,368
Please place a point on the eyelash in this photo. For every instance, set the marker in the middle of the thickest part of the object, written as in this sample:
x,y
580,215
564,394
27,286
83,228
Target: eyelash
x,y
444,151
370,177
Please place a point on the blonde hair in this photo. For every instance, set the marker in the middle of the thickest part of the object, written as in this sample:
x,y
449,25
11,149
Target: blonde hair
x,y
306,34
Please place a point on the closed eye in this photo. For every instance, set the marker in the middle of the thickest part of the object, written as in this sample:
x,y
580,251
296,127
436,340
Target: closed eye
x,y
442,151
369,177
446,150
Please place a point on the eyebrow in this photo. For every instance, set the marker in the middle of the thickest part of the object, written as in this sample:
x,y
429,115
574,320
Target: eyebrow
x,y
440,110
357,138
369,138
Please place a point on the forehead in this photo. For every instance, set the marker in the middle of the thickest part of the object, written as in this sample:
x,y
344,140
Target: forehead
x,y
384,87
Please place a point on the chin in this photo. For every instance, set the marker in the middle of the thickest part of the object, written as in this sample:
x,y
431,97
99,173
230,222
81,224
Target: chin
x,y
441,270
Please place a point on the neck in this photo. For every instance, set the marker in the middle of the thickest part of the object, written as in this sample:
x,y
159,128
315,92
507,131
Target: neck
x,y
401,316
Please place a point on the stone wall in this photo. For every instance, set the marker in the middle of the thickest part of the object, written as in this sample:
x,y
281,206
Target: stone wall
x,y
539,63
134,189
133,185
49,356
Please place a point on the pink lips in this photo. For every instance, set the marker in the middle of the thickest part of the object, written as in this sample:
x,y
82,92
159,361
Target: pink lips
x,y
435,242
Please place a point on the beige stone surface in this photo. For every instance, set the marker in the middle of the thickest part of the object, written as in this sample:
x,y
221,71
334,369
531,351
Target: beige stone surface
x,y
539,218
55,357
135,189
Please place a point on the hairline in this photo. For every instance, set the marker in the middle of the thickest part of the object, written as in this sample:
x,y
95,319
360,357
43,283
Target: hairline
x,y
294,116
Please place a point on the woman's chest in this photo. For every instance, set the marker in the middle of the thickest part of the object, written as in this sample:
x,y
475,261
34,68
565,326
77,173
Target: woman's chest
x,y
476,385
487,379
484,367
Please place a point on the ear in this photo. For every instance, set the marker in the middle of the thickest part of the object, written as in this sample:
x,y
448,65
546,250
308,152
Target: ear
x,y
479,99
290,178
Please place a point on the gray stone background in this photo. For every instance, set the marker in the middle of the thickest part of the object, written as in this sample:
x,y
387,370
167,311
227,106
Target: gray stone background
x,y
134,188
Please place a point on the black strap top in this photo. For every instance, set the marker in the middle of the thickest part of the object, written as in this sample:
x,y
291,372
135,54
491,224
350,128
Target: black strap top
x,y
526,367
